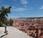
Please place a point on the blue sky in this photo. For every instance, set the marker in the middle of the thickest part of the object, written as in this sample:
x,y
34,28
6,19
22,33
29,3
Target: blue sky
x,y
24,8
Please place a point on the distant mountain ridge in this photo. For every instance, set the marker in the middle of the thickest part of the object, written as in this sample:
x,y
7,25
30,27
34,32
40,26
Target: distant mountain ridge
x,y
24,18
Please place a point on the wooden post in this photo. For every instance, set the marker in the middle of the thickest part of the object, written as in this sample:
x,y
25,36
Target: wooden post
x,y
5,29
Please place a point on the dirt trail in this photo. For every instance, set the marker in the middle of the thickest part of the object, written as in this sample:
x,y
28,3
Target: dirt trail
x,y
15,33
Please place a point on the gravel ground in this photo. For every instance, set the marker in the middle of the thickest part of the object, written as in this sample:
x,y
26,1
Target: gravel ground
x,y
13,33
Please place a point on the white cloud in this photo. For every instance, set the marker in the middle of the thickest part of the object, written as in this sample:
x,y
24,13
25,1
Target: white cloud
x,y
41,7
18,9
24,2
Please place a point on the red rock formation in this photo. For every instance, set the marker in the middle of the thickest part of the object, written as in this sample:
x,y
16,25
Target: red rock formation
x,y
24,25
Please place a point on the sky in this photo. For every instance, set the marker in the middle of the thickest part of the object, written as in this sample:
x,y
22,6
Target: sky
x,y
24,8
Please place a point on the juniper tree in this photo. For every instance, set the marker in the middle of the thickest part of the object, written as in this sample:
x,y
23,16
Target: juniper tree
x,y
4,14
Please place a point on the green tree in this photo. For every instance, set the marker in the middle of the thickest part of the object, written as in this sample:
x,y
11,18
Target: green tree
x,y
4,14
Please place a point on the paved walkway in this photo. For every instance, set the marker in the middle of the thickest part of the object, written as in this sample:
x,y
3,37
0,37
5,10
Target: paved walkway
x,y
15,33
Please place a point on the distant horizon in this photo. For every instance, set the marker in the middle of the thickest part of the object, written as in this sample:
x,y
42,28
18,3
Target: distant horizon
x,y
25,17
